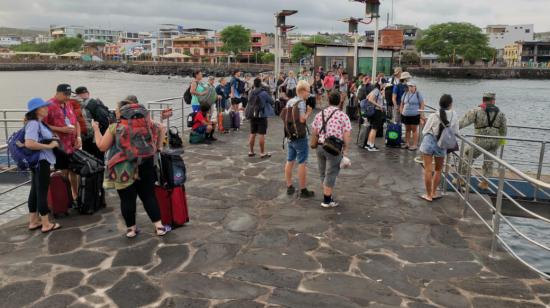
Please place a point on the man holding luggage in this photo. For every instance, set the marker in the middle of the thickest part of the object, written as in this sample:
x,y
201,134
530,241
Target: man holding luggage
x,y
62,120
258,110
93,110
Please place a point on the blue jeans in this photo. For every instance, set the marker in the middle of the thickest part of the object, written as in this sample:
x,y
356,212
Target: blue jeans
x,y
298,150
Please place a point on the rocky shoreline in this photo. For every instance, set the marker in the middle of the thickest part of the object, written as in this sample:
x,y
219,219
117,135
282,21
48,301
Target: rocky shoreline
x,y
143,68
480,72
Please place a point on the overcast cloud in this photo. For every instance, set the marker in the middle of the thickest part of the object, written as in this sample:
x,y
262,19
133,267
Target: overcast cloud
x,y
314,15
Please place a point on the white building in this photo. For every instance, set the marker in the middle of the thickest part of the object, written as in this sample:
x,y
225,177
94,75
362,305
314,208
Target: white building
x,y
88,34
163,41
502,35
9,40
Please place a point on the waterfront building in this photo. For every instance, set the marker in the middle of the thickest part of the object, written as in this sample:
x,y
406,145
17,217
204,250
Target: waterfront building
x,y
512,54
42,39
94,48
329,55
111,51
9,40
162,43
88,34
535,53
502,35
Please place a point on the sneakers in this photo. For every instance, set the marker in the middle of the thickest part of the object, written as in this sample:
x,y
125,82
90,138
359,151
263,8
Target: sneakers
x,y
304,193
372,148
330,205
290,190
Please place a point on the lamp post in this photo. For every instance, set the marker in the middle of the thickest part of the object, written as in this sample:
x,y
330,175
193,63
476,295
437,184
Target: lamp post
x,y
352,22
280,29
372,10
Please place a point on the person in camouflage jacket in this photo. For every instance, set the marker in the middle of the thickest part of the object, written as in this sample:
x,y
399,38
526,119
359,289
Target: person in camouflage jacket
x,y
488,120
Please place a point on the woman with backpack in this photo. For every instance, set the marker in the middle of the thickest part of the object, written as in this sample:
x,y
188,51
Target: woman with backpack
x,y
38,137
290,83
412,103
132,143
433,155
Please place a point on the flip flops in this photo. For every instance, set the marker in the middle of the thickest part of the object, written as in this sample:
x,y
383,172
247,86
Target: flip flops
x,y
55,226
425,198
267,155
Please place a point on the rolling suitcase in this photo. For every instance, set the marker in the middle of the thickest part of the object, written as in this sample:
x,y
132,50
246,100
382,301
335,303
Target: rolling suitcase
x,y
60,197
91,195
235,120
363,135
393,135
226,121
172,203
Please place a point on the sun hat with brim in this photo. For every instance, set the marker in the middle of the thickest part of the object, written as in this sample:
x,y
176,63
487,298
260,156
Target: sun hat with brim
x,y
36,103
405,75
411,84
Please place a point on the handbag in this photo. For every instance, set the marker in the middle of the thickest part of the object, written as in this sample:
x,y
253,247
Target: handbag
x,y
314,141
333,145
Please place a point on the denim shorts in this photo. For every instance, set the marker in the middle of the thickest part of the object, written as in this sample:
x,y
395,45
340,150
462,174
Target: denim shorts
x,y
429,147
298,150
200,130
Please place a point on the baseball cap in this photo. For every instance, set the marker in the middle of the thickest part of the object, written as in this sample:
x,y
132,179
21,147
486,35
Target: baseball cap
x,y
36,103
65,88
489,95
131,99
80,90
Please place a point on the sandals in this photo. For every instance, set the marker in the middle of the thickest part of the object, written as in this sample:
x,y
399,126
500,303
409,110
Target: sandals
x,y
266,155
35,228
251,154
55,226
131,233
437,197
425,198
161,231
412,149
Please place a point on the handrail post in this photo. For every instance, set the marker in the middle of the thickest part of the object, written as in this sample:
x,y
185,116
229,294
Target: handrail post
x,y
468,181
5,126
498,210
539,167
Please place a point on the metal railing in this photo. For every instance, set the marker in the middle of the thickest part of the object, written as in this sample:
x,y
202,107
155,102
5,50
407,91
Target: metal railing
x,y
463,186
155,107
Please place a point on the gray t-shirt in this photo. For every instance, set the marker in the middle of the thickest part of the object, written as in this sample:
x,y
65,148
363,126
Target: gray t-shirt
x,y
301,104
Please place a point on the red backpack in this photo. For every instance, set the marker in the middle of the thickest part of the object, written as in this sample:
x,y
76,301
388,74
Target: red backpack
x,y
136,135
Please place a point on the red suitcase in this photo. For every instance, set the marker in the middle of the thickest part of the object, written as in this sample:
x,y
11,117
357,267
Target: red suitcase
x,y
173,206
60,197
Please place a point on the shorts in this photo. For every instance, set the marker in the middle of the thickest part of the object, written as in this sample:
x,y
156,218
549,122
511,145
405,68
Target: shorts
x,y
62,160
298,150
410,120
429,147
196,108
377,119
291,92
200,130
258,126
235,100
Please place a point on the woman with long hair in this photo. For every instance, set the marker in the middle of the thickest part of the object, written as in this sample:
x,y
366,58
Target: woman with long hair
x,y
432,155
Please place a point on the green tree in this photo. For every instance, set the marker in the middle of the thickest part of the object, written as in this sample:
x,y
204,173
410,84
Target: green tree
x,y
451,40
66,44
319,39
410,57
42,47
235,39
300,51
268,57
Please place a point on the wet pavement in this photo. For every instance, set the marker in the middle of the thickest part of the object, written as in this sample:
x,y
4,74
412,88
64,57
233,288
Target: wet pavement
x,y
250,245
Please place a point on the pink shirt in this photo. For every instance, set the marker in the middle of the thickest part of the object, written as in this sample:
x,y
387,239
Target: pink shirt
x,y
338,124
328,82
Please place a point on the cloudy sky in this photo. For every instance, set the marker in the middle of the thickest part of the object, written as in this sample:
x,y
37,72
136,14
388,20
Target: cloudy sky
x,y
314,15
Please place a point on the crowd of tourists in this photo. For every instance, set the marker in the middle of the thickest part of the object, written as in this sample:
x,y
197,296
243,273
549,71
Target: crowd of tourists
x,y
316,107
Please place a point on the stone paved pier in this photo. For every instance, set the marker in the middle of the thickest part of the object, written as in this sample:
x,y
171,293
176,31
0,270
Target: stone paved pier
x,y
250,245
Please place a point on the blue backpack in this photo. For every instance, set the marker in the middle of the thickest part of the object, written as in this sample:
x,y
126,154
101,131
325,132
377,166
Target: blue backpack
x,y
24,158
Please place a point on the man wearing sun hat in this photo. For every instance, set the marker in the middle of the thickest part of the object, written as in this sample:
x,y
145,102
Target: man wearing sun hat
x,y
488,120
62,120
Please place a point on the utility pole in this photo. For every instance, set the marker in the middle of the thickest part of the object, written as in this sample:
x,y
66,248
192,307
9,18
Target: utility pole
x,y
280,29
372,11
353,22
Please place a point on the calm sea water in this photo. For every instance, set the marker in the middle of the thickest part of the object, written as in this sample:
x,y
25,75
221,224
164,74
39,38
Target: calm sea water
x,y
525,102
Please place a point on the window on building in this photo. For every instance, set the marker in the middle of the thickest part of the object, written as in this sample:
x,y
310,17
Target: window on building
x,y
527,30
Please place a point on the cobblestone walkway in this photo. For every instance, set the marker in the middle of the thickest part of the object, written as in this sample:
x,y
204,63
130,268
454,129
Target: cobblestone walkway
x,y
250,245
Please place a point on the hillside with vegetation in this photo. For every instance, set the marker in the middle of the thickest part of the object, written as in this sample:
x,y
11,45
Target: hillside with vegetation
x,y
21,32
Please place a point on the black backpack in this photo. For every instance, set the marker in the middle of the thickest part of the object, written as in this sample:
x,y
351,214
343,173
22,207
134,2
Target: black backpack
x,y
172,170
191,119
254,107
240,86
187,96
101,114
174,139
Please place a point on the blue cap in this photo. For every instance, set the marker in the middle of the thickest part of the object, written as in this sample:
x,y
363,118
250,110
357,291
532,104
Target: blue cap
x,y
36,103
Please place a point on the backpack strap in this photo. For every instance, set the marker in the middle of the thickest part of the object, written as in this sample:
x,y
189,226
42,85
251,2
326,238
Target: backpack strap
x,y
323,127
491,121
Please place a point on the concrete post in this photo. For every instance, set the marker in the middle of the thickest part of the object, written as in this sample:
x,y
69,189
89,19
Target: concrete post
x,y
355,53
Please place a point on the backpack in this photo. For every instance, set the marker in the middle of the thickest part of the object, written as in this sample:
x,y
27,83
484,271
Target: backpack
x,y
393,135
254,107
136,135
241,86
23,157
279,106
174,139
99,113
187,96
294,128
191,119
227,89
446,138
87,132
